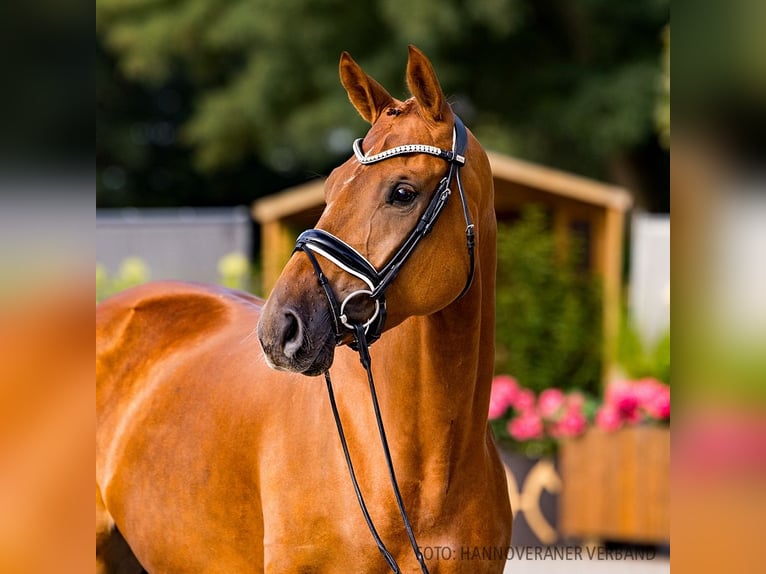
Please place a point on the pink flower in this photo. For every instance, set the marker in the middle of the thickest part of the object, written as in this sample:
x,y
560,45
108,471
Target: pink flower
x,y
524,401
654,397
575,401
616,390
623,396
502,396
528,425
646,389
550,402
660,406
573,423
608,418
572,420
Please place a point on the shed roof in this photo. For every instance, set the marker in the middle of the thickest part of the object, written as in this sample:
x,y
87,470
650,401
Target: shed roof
x,y
310,195
289,201
558,182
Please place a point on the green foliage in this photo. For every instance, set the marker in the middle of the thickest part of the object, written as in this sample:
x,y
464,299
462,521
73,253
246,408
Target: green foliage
x,y
549,316
569,84
133,271
234,271
662,109
640,360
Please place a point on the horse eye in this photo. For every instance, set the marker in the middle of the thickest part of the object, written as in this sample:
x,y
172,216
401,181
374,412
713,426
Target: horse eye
x,y
402,196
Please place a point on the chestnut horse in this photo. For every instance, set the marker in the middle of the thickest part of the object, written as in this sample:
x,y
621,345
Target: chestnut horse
x,y
217,455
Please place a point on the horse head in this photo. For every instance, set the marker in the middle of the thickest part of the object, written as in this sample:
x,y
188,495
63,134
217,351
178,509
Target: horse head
x,y
372,209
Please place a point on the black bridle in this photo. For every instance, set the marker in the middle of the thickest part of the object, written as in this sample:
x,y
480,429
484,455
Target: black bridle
x,y
337,251
365,333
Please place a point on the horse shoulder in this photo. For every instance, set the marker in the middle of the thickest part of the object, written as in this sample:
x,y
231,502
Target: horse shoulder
x,y
175,385
153,329
157,319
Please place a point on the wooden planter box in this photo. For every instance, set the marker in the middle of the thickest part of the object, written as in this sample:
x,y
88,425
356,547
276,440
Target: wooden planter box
x,y
616,486
533,487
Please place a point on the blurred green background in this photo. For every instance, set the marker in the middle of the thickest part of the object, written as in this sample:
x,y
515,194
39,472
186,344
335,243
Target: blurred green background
x,y
219,102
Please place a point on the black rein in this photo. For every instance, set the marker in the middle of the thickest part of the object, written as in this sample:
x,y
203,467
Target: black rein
x,y
318,241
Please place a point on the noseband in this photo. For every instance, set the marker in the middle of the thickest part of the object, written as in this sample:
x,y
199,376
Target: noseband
x,y
340,253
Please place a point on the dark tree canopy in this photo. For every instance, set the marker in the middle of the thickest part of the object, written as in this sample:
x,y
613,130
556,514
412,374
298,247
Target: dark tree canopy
x,y
247,91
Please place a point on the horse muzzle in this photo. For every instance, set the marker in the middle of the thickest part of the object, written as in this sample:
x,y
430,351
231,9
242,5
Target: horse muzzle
x,y
299,328
297,337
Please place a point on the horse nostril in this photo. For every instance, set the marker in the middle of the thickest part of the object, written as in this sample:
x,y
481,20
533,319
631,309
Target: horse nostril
x,y
292,333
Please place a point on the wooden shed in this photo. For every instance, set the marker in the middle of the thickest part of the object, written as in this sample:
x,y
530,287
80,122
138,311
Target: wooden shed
x,y
591,210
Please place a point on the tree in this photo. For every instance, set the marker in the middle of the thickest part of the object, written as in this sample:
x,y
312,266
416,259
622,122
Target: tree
x,y
548,331
569,84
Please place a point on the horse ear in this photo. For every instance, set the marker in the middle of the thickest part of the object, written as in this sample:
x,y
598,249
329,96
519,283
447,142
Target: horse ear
x,y
367,95
424,85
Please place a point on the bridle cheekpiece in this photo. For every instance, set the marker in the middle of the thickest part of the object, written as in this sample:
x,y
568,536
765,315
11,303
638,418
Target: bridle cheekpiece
x,y
314,242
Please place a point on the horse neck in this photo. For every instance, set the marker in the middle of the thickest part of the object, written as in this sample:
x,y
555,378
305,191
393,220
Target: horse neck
x,y
434,374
